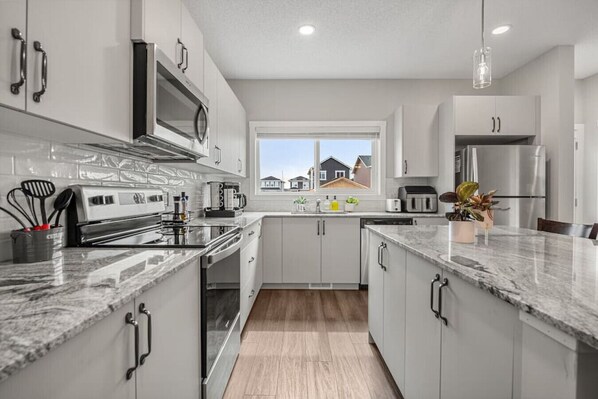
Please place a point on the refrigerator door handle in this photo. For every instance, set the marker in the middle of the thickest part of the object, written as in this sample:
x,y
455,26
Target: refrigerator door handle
x,y
474,164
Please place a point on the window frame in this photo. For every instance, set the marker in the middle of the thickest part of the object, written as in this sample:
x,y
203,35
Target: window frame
x,y
328,128
336,172
323,173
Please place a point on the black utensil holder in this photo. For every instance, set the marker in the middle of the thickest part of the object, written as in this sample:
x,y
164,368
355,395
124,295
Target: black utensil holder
x,y
36,246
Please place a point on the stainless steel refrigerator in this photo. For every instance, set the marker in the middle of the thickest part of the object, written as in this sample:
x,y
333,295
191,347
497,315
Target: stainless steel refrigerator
x,y
518,172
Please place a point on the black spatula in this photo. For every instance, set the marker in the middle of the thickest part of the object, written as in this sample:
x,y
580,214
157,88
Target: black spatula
x,y
40,189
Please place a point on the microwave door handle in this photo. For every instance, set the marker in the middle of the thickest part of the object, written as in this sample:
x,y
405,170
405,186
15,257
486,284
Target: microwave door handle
x,y
201,136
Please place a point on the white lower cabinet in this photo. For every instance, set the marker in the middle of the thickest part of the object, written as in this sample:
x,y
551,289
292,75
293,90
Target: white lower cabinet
x,y
320,250
250,276
94,363
272,250
469,356
430,221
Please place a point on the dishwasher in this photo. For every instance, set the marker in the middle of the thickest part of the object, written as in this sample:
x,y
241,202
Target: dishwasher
x,y
365,241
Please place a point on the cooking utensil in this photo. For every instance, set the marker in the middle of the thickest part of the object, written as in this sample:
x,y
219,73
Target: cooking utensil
x,y
11,198
40,189
61,202
15,218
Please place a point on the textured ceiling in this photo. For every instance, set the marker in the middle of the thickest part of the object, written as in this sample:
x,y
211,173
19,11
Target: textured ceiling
x,y
409,39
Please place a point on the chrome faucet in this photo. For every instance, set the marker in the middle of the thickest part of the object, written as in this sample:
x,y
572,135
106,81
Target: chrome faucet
x,y
318,210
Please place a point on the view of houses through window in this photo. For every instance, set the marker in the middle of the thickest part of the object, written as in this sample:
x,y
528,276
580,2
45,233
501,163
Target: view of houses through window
x,y
288,165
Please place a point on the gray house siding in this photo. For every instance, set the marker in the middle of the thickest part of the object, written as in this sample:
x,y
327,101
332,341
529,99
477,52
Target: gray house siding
x,y
331,166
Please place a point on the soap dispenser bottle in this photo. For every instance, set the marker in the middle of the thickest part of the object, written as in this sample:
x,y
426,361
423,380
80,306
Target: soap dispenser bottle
x,y
334,204
327,204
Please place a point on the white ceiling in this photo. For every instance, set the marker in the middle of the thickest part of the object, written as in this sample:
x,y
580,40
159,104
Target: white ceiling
x,y
400,39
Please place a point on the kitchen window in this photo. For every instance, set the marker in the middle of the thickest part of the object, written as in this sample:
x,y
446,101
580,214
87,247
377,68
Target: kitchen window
x,y
316,158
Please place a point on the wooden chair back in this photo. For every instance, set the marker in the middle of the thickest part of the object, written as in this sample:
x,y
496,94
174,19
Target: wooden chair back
x,y
569,229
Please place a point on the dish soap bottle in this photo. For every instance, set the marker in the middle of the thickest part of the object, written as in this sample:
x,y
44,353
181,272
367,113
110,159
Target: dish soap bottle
x,y
334,204
327,204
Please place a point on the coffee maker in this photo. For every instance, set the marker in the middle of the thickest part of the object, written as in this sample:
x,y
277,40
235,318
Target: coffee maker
x,y
225,199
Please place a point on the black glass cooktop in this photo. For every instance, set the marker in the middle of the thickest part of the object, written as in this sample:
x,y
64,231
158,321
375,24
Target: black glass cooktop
x,y
175,237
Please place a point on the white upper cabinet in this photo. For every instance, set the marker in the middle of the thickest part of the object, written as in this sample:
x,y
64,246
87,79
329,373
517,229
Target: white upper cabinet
x,y
211,92
416,141
242,139
159,22
13,34
192,38
495,115
78,64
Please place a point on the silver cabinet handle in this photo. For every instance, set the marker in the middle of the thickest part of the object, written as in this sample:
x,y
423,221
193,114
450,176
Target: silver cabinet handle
x,y
37,96
251,260
381,248
182,54
405,166
440,287
186,52
15,88
130,320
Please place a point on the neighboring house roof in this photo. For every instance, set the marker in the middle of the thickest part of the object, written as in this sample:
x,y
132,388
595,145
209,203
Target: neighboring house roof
x,y
366,160
298,178
271,178
333,158
343,182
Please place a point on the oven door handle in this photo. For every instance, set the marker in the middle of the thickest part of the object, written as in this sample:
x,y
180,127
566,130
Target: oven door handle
x,y
230,247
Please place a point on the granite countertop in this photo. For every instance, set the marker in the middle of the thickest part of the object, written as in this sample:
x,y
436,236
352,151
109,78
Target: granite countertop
x,y
552,277
44,304
248,218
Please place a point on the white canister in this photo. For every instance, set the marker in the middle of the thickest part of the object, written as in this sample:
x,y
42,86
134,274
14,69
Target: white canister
x,y
462,231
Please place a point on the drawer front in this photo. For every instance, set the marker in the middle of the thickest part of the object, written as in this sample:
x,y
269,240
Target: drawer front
x,y
251,232
249,264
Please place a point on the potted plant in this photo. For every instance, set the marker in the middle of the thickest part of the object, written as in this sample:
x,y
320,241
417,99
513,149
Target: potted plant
x,y
461,220
350,203
483,204
300,204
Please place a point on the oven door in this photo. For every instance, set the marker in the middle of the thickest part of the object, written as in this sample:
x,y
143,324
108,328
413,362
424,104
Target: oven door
x,y
220,317
169,109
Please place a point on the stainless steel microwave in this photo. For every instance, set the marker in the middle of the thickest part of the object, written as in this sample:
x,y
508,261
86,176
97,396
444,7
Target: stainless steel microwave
x,y
170,114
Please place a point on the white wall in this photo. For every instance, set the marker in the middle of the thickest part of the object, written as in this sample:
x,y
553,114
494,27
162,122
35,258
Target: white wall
x,y
586,111
316,100
551,76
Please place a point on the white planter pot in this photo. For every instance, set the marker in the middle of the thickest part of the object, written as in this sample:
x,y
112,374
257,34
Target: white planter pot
x,y
462,232
487,224
349,207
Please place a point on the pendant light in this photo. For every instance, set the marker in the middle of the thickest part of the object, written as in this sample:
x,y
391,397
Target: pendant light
x,y
482,62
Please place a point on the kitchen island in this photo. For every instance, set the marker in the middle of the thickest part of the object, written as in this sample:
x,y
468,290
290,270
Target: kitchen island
x,y
515,315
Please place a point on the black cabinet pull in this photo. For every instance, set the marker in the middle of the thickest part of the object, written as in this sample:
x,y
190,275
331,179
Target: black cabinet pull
x,y
182,53
252,232
323,227
493,124
251,260
186,52
252,293
405,166
318,229
146,312
37,96
440,287
130,320
15,88
436,278
498,131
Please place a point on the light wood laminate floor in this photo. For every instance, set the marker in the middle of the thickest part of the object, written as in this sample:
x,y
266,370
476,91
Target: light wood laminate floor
x,y
309,344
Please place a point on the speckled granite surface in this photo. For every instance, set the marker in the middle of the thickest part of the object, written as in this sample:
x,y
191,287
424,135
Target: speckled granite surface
x,y
44,304
550,276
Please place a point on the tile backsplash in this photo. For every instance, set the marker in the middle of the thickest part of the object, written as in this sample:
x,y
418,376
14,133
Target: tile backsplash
x,y
23,158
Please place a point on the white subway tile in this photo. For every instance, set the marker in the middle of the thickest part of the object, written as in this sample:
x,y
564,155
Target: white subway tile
x,y
132,176
167,170
126,164
64,153
88,172
157,179
44,168
7,165
22,145
110,161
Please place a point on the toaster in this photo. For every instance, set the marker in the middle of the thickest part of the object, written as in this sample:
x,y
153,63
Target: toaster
x,y
393,205
421,199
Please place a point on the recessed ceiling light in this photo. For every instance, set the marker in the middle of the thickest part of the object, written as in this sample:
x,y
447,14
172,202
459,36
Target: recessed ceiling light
x,y
499,30
307,30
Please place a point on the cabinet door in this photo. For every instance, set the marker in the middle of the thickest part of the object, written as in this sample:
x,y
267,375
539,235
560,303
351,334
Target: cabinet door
x,y
272,250
473,115
88,78
435,221
394,259
477,343
158,21
211,92
193,40
91,365
173,367
517,115
375,292
259,272
13,15
422,331
227,127
242,139
416,141
301,250
340,250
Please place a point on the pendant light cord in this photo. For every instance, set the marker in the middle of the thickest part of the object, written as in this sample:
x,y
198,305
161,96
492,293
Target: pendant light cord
x,y
483,38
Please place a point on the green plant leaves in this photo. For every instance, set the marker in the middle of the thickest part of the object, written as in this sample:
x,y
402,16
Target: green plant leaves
x,y
466,190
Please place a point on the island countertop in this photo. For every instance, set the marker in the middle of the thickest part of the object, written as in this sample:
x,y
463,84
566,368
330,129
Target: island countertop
x,y
552,277
42,305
